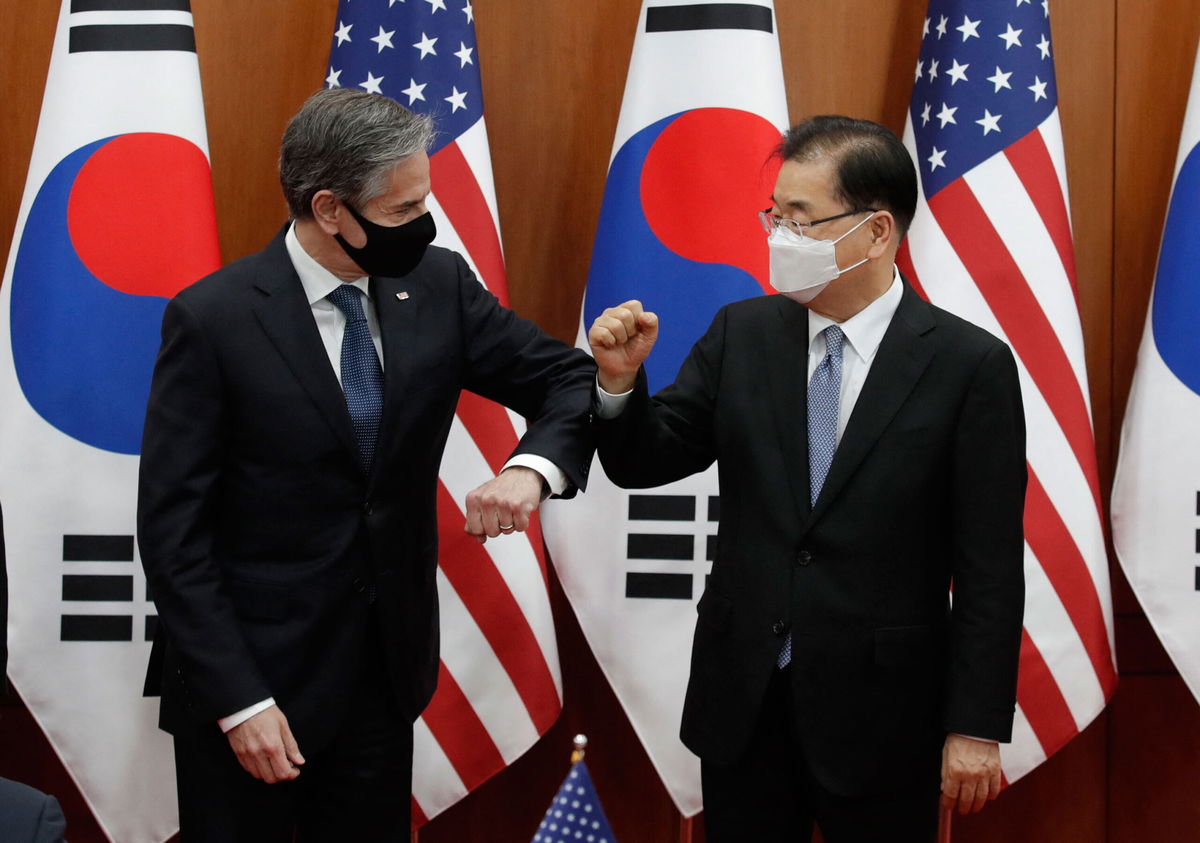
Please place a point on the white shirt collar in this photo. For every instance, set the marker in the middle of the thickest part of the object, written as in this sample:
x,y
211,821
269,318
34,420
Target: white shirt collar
x,y
318,282
864,330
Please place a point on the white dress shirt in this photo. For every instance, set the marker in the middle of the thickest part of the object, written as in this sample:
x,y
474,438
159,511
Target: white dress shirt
x,y
318,283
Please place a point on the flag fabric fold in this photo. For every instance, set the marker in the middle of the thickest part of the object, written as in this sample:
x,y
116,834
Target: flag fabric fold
x,y
1156,492
117,216
499,685
991,242
703,110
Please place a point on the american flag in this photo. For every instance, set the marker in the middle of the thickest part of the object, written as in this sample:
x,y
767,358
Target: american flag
x,y
575,813
499,686
991,241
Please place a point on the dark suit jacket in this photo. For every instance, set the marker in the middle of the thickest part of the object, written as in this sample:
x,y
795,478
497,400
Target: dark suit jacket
x,y
926,488
260,532
28,815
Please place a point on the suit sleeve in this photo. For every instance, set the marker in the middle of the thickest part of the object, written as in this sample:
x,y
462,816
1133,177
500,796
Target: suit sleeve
x,y
988,552
512,361
51,824
182,455
665,437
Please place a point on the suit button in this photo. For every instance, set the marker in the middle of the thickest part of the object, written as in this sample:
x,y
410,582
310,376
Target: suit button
x,y
367,508
779,627
359,585
804,558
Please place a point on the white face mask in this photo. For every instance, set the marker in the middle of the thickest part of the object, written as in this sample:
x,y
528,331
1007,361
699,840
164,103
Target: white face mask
x,y
802,267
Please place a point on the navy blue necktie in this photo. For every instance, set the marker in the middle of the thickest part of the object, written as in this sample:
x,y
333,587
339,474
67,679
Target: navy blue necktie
x,y
824,395
362,374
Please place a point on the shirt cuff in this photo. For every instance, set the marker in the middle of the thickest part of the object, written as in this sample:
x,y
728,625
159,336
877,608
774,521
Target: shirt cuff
x,y
608,404
554,477
240,717
973,738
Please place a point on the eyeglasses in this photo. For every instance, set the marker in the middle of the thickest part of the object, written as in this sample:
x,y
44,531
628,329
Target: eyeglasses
x,y
771,221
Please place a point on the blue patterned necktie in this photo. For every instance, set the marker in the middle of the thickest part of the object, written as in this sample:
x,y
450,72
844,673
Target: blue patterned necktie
x,y
362,374
824,390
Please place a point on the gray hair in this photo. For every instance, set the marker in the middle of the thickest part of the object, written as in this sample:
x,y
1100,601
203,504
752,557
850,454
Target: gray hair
x,y
346,141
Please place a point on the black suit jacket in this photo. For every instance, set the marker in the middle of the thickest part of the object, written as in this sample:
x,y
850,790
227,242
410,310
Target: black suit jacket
x,y
260,532
926,488
28,815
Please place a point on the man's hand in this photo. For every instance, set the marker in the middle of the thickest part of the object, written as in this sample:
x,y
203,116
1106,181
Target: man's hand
x,y
265,747
621,339
504,504
970,773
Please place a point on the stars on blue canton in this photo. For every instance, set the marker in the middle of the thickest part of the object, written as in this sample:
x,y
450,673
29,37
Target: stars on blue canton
x,y
984,79
575,815
422,53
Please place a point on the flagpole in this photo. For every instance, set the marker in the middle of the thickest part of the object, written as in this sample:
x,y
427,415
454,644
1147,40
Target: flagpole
x,y
580,750
945,817
686,829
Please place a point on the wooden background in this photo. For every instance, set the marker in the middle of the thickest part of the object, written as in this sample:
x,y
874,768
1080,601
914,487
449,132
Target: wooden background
x,y
553,75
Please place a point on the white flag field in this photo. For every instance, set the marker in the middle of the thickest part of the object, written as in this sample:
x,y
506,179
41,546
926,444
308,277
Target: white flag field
x,y
117,216
703,110
1156,492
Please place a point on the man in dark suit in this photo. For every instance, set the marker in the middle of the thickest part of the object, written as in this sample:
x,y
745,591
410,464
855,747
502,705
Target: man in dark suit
x,y
830,680
287,510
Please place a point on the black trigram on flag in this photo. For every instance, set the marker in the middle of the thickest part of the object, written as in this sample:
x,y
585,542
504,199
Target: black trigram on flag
x,y
116,587
695,16
131,32
680,547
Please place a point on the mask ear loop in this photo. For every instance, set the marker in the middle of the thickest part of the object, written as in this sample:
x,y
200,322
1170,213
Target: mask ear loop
x,y
847,234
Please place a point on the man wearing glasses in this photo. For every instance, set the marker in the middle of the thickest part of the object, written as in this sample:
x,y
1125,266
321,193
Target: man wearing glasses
x,y
832,683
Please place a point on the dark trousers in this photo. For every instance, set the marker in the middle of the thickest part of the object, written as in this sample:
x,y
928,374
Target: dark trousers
x,y
770,794
357,788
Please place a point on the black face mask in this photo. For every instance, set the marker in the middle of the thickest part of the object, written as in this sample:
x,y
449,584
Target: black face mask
x,y
391,251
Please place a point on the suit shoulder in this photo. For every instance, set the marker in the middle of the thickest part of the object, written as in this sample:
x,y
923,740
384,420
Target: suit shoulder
x,y
752,310
751,306
438,257
965,334
217,288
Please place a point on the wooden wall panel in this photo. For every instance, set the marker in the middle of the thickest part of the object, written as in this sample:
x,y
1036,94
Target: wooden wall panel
x,y
1155,746
1154,753
553,77
255,77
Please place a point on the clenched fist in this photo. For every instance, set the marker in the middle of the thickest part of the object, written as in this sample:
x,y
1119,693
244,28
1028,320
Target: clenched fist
x,y
621,339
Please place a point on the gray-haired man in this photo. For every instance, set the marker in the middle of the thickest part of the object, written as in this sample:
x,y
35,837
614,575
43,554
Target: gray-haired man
x,y
287,512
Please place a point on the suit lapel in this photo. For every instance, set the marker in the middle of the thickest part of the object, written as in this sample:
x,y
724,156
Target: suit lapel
x,y
397,303
287,319
789,395
903,355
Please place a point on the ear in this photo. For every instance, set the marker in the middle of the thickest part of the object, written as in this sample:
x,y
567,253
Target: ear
x,y
327,211
885,234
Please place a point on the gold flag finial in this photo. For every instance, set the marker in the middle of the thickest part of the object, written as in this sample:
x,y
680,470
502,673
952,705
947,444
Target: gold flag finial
x,y
580,749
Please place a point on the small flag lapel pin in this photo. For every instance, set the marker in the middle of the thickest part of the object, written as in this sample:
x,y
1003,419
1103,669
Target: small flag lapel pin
x,y
402,295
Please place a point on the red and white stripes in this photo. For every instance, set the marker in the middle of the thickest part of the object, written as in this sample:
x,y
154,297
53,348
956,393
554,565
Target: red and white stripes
x,y
995,248
499,686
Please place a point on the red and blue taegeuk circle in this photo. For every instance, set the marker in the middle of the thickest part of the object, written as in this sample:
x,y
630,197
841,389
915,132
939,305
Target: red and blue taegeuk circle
x,y
117,228
677,226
